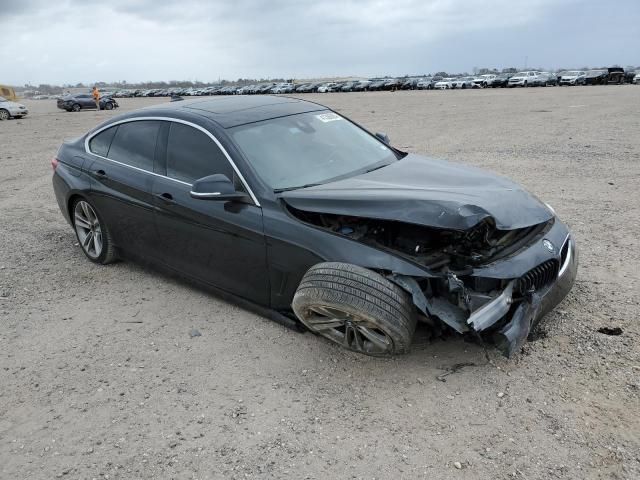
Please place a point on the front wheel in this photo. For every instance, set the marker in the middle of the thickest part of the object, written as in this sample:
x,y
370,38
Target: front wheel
x,y
4,114
356,308
76,107
108,106
92,233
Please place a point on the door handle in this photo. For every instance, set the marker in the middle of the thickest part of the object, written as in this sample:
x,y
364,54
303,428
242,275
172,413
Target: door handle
x,y
165,197
100,174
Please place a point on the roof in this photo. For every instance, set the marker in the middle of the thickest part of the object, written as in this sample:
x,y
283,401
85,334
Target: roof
x,y
231,111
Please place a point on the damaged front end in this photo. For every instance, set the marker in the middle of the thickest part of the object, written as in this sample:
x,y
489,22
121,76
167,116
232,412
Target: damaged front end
x,y
484,281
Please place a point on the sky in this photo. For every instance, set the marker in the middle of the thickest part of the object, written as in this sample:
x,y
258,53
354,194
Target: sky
x,y
71,41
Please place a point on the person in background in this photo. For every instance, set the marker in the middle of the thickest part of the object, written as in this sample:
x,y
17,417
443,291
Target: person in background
x,y
96,97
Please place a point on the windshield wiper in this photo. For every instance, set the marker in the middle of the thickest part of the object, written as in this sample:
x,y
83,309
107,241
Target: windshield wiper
x,y
286,189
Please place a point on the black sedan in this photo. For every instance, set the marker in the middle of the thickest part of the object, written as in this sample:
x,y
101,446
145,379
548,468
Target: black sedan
x,y
305,216
75,103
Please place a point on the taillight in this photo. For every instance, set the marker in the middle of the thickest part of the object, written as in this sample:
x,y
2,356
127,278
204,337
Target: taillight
x,y
54,162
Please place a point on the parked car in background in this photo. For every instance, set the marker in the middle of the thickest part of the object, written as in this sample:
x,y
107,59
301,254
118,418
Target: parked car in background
x,y
376,85
310,88
327,87
392,84
501,80
484,81
629,75
572,77
283,88
462,83
409,84
636,78
596,77
85,101
10,109
347,86
616,75
444,84
425,83
362,86
525,79
548,79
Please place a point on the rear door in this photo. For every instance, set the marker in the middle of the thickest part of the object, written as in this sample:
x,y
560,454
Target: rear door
x,y
220,243
121,167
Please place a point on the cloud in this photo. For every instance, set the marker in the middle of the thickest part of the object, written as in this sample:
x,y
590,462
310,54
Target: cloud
x,y
73,40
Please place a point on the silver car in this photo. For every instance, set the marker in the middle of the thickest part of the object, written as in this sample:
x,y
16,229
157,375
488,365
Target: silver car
x,y
9,109
573,77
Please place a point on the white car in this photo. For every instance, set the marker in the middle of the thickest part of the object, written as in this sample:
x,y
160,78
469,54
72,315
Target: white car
x,y
327,87
462,83
636,79
526,79
444,84
484,81
573,77
9,109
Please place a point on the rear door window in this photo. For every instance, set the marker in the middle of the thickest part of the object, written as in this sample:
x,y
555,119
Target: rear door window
x,y
191,154
134,144
101,142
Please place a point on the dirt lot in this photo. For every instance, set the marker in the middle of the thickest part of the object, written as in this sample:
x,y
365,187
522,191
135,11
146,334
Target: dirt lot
x,y
100,377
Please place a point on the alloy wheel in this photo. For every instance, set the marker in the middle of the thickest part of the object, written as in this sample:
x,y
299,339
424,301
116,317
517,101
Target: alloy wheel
x,y
88,229
4,115
349,330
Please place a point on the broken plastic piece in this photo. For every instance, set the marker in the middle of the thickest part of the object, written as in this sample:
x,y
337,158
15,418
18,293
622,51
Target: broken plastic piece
x,y
492,311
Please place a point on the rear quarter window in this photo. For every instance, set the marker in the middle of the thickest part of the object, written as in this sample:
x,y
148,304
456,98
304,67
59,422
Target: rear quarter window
x,y
101,142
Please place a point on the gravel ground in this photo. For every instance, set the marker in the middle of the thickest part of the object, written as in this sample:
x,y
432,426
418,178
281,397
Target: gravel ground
x,y
100,377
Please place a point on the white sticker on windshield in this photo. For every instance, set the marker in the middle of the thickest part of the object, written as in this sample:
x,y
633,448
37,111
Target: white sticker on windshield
x,y
328,117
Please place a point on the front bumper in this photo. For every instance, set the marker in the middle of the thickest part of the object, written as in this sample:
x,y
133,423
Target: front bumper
x,y
535,280
528,313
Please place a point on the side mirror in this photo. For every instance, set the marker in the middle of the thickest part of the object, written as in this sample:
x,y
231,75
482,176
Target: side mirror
x,y
383,137
215,187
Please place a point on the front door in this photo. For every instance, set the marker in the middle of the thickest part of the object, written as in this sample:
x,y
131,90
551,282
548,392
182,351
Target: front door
x,y
220,243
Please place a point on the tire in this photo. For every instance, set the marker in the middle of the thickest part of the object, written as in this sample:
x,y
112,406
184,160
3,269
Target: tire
x,y
356,308
92,233
4,114
76,107
525,85
108,106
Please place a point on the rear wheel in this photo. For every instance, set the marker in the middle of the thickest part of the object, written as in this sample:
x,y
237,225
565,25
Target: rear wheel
x,y
4,114
356,308
92,233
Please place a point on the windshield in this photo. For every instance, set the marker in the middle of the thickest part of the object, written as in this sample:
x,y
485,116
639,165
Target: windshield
x,y
308,149
596,72
571,73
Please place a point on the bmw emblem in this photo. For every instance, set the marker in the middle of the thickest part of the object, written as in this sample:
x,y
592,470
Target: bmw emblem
x,y
548,245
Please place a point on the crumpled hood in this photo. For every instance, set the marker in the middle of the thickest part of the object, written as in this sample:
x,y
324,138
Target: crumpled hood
x,y
428,192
